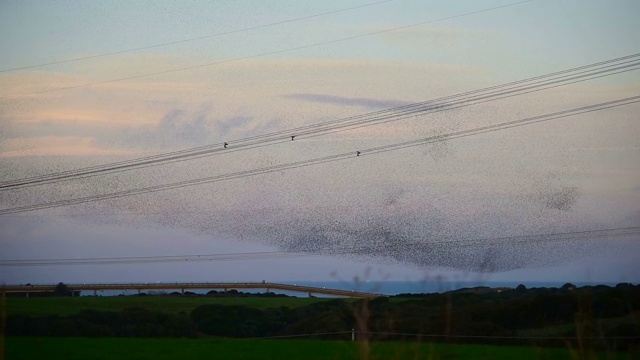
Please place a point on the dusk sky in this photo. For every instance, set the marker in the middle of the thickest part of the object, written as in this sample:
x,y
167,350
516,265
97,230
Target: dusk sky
x,y
89,83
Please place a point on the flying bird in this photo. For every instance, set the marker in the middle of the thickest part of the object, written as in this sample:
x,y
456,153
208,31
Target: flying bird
x,y
225,145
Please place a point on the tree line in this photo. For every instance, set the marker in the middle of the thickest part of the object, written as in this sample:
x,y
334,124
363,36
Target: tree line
x,y
609,317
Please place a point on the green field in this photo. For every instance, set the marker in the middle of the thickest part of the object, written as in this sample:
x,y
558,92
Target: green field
x,y
159,349
42,306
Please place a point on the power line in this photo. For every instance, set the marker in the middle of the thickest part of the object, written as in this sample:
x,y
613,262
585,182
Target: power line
x,y
278,137
492,97
261,54
514,337
506,125
359,250
452,336
327,159
298,335
193,39
520,87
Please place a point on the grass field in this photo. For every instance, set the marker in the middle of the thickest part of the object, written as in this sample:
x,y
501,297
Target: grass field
x,y
159,349
171,304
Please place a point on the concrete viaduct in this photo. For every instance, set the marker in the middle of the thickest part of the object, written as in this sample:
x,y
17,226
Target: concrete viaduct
x,y
182,286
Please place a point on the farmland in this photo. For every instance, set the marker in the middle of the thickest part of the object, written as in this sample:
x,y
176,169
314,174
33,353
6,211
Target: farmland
x,y
567,322
247,349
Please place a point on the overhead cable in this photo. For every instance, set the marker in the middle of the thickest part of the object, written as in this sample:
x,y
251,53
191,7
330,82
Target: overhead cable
x,y
493,93
259,55
326,159
57,62
356,250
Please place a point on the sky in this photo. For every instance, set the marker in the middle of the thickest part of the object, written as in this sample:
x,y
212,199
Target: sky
x,y
91,83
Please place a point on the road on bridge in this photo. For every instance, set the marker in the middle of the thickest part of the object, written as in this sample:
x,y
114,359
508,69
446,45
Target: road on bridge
x,y
182,286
